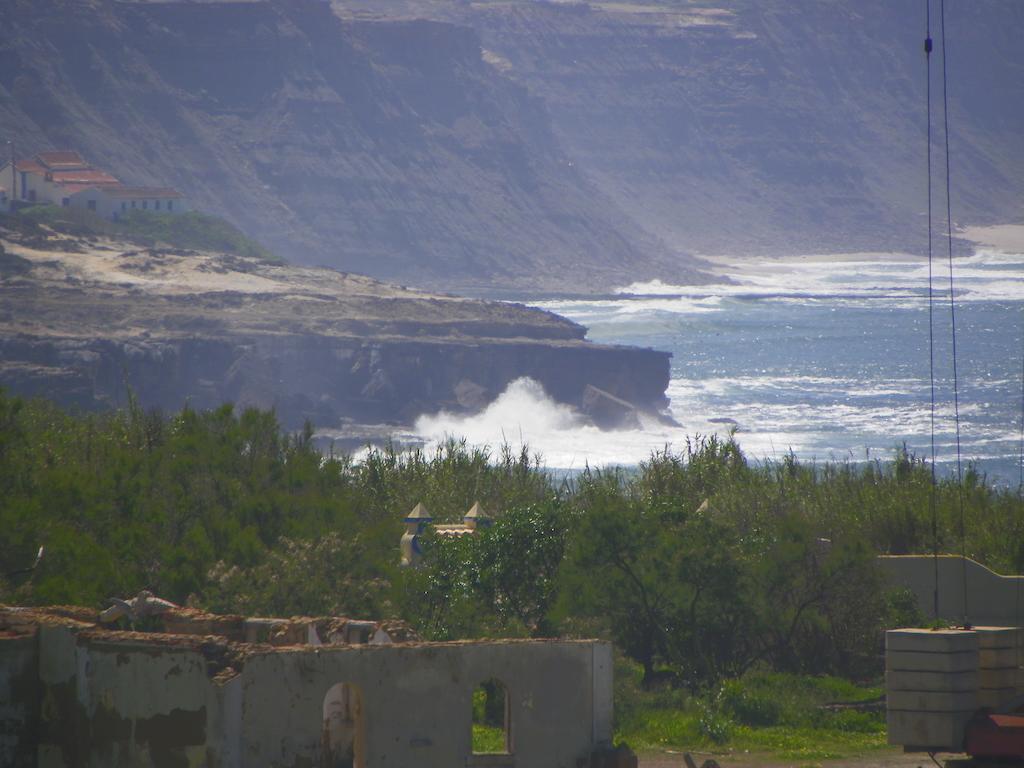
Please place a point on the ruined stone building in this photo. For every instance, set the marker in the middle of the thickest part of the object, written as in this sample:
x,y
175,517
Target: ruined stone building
x,y
210,690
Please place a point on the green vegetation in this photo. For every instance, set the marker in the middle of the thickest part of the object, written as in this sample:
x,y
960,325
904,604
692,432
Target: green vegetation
x,y
489,702
741,596
192,230
795,717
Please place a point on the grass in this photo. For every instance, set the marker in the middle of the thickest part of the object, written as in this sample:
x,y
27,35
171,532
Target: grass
x,y
192,230
776,714
488,739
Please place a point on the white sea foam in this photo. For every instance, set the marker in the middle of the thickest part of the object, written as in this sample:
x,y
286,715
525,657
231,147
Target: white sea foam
x,y
787,400
524,414
985,276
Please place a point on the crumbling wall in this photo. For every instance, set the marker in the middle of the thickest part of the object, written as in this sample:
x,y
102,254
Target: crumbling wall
x,y
417,701
74,695
121,698
19,698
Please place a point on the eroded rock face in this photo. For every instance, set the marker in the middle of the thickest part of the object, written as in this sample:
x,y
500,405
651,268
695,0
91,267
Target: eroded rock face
x,y
765,126
183,327
608,411
389,148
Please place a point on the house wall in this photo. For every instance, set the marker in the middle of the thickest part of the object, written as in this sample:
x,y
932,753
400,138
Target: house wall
x,y
105,205
110,207
118,699
32,187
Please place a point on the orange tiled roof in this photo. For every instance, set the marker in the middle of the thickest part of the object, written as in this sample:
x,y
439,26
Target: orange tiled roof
x,y
65,158
29,166
84,176
71,189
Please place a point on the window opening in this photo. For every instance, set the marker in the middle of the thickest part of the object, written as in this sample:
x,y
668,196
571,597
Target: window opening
x,y
490,723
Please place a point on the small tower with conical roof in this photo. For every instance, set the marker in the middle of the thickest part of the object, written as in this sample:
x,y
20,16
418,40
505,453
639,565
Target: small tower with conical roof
x,y
416,523
476,517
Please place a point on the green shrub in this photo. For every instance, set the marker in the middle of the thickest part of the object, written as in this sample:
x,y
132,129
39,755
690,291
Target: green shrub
x,y
190,229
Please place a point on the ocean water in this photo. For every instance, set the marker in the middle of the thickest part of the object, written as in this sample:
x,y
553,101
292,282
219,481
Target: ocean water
x,y
824,358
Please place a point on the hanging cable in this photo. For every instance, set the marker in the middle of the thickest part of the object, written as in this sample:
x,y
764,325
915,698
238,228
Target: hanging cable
x,y
952,310
931,301
1020,500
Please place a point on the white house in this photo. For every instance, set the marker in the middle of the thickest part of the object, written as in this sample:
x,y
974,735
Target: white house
x,y
65,178
46,177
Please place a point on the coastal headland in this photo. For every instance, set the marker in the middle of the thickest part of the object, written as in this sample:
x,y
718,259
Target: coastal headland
x,y
86,321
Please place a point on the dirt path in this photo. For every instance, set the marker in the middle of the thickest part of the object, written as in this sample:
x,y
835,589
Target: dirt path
x,y
880,759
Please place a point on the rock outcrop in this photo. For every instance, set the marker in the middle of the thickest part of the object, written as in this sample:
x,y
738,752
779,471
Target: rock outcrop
x,y
86,322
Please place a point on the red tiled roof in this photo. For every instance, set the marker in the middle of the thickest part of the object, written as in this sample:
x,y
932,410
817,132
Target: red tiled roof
x,y
70,189
29,166
62,159
87,176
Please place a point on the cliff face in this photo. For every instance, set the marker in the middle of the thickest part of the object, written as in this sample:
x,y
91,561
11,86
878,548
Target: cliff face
x,y
735,126
389,148
83,321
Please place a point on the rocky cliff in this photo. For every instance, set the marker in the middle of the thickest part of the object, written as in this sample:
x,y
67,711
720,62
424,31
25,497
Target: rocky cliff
x,y
84,321
385,147
767,126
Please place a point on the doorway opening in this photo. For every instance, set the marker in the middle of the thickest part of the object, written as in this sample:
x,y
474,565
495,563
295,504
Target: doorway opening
x,y
344,733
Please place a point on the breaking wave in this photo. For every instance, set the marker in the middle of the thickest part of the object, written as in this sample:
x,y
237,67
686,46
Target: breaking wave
x,y
826,359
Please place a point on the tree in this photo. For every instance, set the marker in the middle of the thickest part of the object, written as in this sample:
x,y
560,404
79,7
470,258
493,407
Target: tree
x,y
516,562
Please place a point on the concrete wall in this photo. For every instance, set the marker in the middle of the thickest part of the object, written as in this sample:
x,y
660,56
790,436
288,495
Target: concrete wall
x,y
102,698
936,680
992,600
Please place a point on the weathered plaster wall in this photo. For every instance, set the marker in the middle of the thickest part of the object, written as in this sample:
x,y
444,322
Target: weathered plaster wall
x,y
992,600
19,700
110,702
417,701
120,699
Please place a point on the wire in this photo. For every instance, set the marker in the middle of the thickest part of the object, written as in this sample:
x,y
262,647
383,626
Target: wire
x,y
952,308
1020,499
931,302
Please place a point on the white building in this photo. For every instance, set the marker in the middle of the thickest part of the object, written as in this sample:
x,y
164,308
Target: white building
x,y
65,178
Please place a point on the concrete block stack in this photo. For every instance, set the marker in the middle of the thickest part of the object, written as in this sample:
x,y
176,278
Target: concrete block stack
x,y
998,659
931,680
